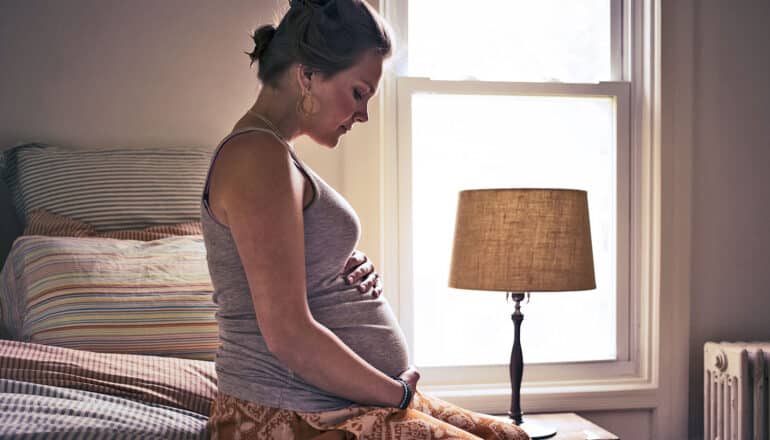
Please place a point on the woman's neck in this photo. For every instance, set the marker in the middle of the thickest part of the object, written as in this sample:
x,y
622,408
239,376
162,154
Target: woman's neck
x,y
275,112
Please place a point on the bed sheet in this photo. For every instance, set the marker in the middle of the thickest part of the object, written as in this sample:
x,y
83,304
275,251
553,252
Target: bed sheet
x,y
30,410
68,393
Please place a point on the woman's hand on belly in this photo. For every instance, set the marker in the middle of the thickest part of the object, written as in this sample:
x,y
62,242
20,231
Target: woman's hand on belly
x,y
359,269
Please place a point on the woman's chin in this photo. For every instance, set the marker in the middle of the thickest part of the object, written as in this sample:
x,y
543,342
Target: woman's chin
x,y
331,140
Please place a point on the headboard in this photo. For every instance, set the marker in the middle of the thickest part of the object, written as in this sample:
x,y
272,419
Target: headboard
x,y
10,227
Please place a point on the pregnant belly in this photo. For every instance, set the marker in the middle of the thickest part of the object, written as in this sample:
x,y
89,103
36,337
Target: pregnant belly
x,y
369,327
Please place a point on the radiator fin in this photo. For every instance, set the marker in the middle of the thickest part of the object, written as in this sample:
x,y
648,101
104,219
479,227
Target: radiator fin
x,y
735,390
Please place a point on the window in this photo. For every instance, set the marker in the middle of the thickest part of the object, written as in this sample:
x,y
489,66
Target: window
x,y
517,94
510,139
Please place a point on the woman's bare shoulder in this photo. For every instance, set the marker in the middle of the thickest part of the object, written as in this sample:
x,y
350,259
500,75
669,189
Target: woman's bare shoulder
x,y
255,144
254,155
252,167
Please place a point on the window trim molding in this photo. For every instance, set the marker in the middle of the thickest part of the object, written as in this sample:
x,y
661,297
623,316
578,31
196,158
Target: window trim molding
x,y
627,323
674,74
665,305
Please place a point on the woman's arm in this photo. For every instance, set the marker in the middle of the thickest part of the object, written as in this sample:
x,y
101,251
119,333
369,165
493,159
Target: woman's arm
x,y
261,195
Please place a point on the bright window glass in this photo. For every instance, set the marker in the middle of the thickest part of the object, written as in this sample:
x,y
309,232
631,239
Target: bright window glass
x,y
471,141
510,40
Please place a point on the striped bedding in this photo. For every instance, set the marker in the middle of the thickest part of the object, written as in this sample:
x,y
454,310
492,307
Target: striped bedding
x,y
107,295
29,410
67,393
108,188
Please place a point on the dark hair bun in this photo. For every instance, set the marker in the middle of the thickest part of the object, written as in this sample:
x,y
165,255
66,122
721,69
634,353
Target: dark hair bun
x,y
262,38
309,3
327,36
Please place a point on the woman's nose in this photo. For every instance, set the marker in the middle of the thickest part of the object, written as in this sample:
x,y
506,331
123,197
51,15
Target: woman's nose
x,y
362,116
362,113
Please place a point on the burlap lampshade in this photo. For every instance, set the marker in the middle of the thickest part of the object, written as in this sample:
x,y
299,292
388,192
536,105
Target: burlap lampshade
x,y
522,240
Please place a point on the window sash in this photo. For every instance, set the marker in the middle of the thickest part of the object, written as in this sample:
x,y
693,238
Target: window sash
x,y
626,324
620,44
641,58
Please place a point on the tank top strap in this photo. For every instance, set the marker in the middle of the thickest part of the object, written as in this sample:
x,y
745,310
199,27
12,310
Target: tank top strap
x,y
297,162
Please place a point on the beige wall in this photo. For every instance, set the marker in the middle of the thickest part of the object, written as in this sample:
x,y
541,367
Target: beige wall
x,y
730,296
172,72
131,73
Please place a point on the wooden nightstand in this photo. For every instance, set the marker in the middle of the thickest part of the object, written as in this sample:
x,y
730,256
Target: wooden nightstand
x,y
569,426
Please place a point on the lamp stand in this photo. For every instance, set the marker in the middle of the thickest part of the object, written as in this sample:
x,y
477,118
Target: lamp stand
x,y
516,368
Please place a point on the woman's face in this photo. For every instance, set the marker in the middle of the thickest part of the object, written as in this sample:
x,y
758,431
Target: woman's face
x,y
343,98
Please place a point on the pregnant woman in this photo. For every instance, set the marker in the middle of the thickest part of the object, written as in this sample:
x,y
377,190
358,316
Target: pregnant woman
x,y
304,353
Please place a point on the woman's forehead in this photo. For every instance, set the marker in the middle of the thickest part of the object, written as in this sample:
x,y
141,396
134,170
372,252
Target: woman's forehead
x,y
368,69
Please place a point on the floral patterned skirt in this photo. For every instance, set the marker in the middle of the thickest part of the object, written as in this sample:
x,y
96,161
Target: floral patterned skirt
x,y
426,418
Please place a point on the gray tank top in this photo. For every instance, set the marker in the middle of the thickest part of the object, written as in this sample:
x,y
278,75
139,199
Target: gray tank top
x,y
245,367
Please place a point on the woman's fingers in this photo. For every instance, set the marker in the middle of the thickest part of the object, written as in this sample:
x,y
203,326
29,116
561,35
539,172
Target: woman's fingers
x,y
377,286
359,270
356,259
372,282
360,273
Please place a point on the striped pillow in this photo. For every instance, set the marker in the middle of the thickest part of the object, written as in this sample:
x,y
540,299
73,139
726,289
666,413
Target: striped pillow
x,y
42,222
113,296
110,189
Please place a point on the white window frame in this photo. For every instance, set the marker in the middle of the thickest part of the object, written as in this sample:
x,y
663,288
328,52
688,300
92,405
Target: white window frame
x,y
535,373
630,382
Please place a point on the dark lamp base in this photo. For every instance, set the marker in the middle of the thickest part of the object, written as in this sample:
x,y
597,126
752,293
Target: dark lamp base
x,y
536,430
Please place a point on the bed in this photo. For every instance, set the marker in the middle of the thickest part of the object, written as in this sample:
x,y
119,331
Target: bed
x,y
107,326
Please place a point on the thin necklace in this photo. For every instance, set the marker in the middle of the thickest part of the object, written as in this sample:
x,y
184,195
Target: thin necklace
x,y
269,124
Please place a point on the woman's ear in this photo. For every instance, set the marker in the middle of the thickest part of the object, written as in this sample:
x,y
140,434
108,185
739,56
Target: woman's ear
x,y
304,76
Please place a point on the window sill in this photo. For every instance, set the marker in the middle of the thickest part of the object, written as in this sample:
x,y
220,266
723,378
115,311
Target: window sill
x,y
544,397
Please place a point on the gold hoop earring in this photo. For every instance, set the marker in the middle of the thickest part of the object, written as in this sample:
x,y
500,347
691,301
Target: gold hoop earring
x,y
302,104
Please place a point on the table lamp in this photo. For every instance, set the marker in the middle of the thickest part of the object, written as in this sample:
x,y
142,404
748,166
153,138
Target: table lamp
x,y
520,241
